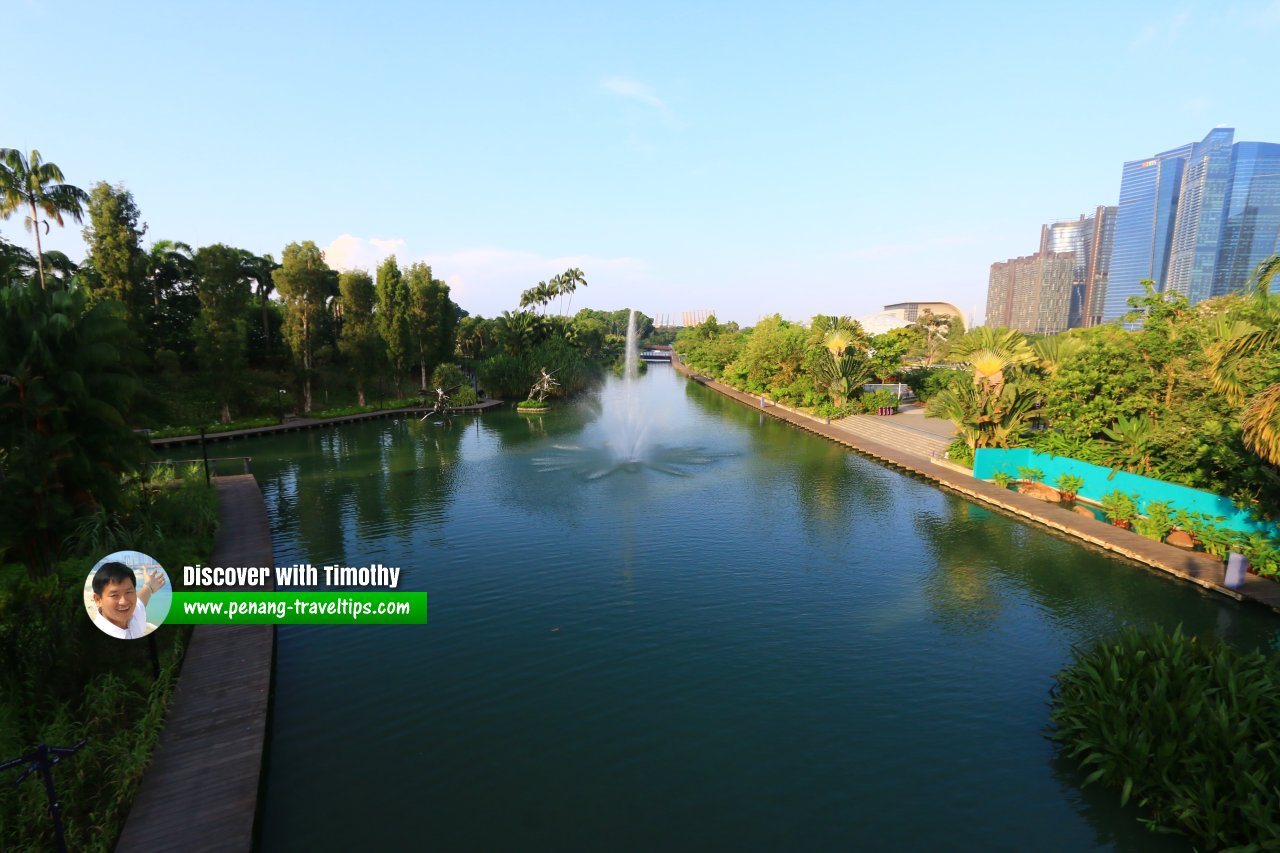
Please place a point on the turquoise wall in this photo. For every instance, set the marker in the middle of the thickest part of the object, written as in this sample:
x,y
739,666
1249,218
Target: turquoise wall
x,y
1098,481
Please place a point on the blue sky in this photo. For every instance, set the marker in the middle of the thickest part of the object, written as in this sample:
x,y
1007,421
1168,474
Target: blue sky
x,y
745,158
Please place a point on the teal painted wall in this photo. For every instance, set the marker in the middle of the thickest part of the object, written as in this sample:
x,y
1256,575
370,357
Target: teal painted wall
x,y
1098,481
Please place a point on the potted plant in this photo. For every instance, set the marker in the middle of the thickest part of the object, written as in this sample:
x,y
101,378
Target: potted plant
x,y
1069,485
1001,479
1121,509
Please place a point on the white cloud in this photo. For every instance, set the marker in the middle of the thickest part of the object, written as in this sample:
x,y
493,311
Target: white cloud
x,y
348,252
625,88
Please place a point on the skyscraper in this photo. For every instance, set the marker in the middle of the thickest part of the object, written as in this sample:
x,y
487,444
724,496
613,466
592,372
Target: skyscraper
x,y
1197,228
1089,239
1149,193
1031,294
1251,216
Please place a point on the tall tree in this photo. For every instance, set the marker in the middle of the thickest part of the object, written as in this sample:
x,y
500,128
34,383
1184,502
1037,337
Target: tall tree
x,y
37,186
260,270
221,329
358,340
113,237
303,282
433,320
1261,421
168,265
393,316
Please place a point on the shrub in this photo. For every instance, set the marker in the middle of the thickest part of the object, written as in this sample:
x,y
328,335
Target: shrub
x,y
876,399
960,452
1001,479
1182,725
532,404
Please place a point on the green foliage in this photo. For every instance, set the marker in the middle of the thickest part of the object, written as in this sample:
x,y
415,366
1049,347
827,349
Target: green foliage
x,y
880,398
1033,475
1069,484
221,330
34,187
532,404
432,320
230,426
925,382
64,443
393,317
960,453
61,679
303,281
1157,523
1183,726
1119,506
888,351
113,240
358,341
1001,479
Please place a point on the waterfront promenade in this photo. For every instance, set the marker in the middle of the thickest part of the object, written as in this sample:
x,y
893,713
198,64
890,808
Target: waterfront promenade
x,y
903,448
200,791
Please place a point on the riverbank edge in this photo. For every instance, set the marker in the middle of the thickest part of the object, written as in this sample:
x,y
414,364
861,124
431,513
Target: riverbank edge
x,y
1201,569
296,424
201,789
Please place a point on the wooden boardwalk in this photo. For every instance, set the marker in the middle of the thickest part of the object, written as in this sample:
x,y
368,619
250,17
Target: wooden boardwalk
x,y
201,790
1202,569
295,424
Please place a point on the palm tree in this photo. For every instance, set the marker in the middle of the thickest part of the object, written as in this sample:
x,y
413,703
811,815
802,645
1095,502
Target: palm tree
x,y
167,263
570,281
991,351
1261,421
31,182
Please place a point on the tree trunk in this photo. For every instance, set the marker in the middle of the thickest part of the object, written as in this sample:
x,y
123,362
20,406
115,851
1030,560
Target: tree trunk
x,y
226,412
360,396
35,221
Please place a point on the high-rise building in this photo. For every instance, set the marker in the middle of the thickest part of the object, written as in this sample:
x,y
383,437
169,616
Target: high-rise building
x,y
1251,215
1195,220
1149,193
1031,294
1089,238
1197,228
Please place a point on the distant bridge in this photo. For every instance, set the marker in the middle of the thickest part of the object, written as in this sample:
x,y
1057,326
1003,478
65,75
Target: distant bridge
x,y
656,353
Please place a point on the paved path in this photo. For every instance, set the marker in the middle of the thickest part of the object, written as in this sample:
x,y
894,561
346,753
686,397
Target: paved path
x,y
1198,568
293,424
201,790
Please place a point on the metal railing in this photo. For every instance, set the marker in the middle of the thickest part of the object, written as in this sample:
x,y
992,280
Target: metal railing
x,y
901,389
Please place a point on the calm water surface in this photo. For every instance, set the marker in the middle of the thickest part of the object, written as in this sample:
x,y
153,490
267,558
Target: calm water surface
x,y
758,641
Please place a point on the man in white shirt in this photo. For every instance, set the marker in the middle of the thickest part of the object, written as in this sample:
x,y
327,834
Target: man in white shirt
x,y
122,607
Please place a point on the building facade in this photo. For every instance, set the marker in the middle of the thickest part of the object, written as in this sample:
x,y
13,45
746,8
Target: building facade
x,y
1251,215
1089,239
1149,193
1195,220
1032,294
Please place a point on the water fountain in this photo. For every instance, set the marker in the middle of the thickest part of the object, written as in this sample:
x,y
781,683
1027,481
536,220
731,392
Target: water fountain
x,y
627,425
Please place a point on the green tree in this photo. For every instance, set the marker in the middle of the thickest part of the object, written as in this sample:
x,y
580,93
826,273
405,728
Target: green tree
x,y
113,237
303,282
65,388
358,340
220,332
393,317
1261,421
37,186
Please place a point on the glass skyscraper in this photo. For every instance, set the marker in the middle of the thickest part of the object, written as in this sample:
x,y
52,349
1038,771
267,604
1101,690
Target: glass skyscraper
x,y
1149,193
1197,229
1251,219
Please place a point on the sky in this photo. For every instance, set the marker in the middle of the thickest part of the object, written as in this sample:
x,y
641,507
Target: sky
x,y
742,158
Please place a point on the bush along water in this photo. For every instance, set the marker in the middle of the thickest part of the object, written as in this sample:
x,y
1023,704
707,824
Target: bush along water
x,y
1183,726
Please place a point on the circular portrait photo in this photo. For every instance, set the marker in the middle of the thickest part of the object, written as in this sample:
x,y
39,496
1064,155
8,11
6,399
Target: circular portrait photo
x,y
127,595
